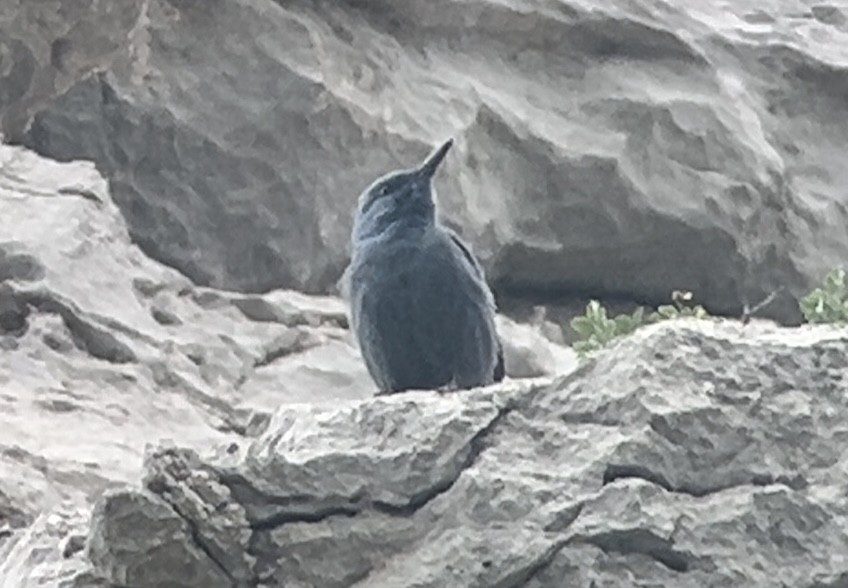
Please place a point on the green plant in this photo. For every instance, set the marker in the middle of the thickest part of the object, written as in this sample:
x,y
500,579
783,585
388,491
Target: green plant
x,y
596,329
828,303
679,309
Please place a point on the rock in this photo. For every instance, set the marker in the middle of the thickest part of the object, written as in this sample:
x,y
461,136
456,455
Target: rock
x,y
691,453
140,540
13,313
103,351
47,46
84,356
203,425
529,354
622,150
41,556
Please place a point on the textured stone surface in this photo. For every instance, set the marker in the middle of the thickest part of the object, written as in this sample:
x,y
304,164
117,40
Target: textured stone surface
x,y
48,46
156,432
618,149
105,347
50,552
103,351
690,454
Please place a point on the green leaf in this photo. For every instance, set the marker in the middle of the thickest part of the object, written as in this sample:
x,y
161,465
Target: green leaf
x,y
829,302
583,326
595,329
582,345
667,311
595,311
623,324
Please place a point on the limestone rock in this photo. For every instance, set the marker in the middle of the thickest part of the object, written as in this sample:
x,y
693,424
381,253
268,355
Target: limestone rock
x,y
620,149
90,372
103,351
529,354
692,453
139,540
202,425
47,46
50,552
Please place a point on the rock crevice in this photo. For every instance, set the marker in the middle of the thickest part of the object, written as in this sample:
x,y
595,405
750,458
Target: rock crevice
x,y
495,487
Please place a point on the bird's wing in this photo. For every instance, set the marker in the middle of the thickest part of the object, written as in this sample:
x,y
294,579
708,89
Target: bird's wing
x,y
451,281
465,252
398,315
500,370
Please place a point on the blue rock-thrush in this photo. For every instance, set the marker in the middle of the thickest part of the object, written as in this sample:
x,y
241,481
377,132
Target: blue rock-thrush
x,y
420,306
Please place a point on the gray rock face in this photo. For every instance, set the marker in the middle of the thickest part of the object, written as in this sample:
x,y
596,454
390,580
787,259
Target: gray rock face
x,y
157,433
48,46
690,454
103,351
619,149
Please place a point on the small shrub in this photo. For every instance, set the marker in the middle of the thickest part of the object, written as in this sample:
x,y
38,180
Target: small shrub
x,y
679,309
596,329
828,303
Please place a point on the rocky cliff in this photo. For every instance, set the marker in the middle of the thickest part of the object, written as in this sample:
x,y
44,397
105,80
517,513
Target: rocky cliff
x,y
622,149
691,454
181,403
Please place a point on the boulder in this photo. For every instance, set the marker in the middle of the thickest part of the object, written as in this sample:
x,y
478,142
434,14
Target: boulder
x,y
103,350
48,46
692,453
617,150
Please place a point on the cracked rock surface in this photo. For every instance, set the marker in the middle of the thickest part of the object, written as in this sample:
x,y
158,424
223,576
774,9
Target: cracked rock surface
x,y
104,351
690,454
620,148
173,416
89,370
47,46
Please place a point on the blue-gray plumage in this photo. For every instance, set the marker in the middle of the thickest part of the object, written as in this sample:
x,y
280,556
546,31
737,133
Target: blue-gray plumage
x,y
419,303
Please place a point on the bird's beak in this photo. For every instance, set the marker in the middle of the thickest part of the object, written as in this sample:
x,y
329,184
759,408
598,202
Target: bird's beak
x,y
428,168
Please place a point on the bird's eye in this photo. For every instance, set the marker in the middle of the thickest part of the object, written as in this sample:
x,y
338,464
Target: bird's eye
x,y
384,189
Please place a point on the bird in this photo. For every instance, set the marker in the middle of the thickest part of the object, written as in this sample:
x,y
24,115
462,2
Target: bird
x,y
421,310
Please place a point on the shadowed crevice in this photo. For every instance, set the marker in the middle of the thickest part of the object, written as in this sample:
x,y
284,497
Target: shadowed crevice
x,y
300,342
476,447
615,472
313,509
522,576
95,340
307,516
204,546
641,541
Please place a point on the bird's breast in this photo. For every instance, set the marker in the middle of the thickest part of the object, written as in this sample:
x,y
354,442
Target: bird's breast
x,y
388,265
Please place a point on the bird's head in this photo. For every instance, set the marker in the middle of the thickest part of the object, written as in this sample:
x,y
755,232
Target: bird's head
x,y
399,199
